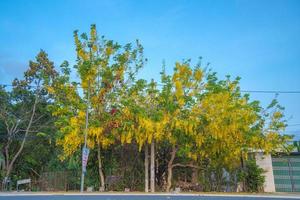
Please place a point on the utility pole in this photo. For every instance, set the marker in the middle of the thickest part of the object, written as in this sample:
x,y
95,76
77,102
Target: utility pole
x,y
152,148
85,138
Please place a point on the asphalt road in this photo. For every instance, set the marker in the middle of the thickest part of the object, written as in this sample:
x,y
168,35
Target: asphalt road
x,y
134,197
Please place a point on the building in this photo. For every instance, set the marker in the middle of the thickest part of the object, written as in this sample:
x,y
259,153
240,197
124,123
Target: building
x,y
282,171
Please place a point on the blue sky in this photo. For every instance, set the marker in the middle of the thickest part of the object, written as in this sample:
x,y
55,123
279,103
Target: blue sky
x,y
258,40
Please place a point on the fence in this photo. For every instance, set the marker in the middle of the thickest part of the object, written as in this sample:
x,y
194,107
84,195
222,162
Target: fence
x,y
286,171
59,181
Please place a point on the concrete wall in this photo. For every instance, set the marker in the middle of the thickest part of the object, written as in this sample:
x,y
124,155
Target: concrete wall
x,y
265,162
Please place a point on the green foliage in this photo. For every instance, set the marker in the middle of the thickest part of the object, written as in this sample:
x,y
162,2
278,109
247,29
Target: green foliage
x,y
252,176
196,119
297,145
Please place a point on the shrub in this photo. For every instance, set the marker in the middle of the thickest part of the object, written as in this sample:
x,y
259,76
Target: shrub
x,y
252,176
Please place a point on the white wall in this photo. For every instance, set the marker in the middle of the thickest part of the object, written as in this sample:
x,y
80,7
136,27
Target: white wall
x,y
265,162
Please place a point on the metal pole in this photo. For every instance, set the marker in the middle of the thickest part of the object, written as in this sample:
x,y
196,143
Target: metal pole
x,y
291,175
152,166
85,136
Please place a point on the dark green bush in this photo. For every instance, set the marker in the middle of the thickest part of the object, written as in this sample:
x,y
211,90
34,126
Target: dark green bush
x,y
252,177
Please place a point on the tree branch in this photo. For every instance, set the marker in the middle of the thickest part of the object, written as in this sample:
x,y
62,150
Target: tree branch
x,y
25,136
186,165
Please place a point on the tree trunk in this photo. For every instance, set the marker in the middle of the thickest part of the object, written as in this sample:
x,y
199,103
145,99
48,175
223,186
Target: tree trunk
x,y
101,174
146,168
243,169
195,176
219,174
152,167
170,169
8,170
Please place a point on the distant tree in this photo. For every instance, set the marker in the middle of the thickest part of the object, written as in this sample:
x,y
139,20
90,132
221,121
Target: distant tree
x,y
22,110
297,145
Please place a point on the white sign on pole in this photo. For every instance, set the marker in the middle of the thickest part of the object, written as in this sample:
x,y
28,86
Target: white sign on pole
x,y
23,181
85,156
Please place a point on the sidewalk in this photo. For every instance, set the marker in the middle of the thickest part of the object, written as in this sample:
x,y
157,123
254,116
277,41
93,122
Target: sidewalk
x,y
262,195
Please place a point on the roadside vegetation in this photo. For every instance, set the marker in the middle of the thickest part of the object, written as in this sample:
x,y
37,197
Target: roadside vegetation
x,y
190,129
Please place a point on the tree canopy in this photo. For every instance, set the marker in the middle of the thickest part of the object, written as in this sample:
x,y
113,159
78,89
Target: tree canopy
x,y
193,121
